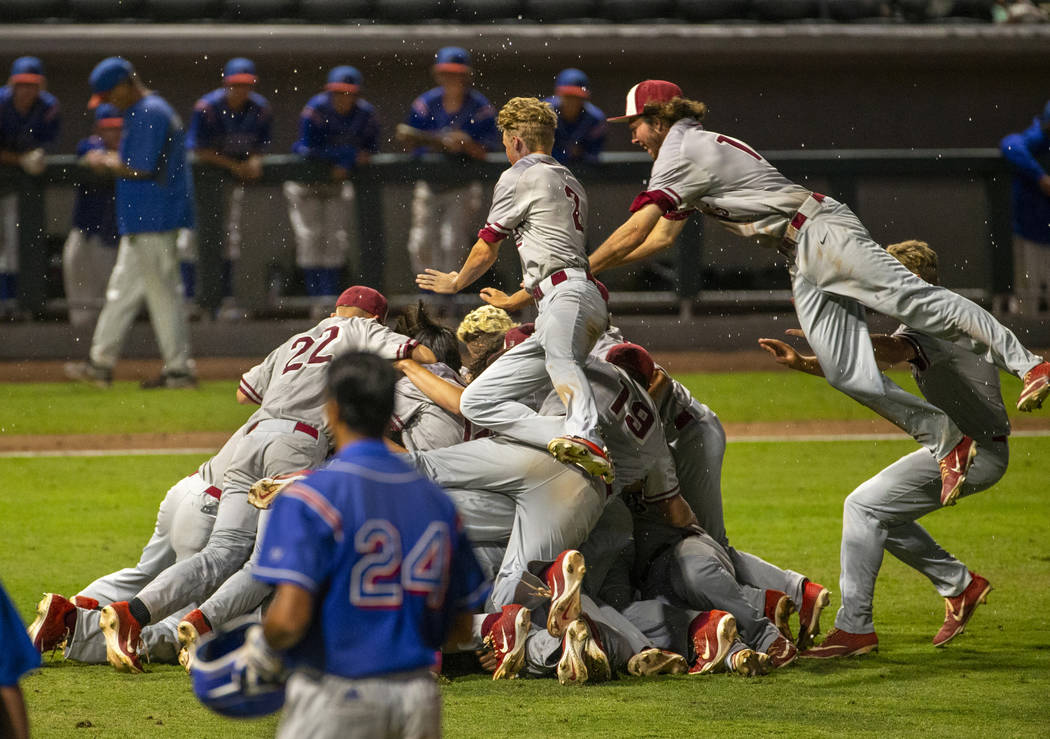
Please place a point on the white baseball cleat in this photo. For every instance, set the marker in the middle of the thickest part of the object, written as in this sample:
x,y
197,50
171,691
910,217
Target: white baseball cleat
x,y
191,628
654,661
586,455
122,633
564,579
582,657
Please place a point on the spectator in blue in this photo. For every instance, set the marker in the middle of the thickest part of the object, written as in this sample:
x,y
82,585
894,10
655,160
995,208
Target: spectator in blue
x,y
1031,220
154,200
29,121
17,657
91,247
230,129
340,128
459,121
580,135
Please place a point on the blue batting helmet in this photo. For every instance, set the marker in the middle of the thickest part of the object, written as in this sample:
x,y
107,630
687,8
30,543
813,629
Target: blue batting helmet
x,y
218,675
452,59
572,81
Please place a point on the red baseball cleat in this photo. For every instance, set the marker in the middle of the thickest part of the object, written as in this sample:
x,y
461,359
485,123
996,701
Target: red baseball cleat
x,y
582,657
50,627
654,661
815,598
1036,388
839,643
191,628
586,455
954,468
711,633
781,653
123,637
564,578
779,608
958,610
83,601
506,639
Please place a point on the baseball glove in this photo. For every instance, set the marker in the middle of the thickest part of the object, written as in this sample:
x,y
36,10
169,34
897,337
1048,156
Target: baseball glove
x,y
264,492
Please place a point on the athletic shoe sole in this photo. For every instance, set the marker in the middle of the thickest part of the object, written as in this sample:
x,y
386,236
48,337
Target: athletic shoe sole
x,y
806,632
581,660
566,608
514,660
574,452
657,662
109,622
725,634
950,498
1032,397
43,610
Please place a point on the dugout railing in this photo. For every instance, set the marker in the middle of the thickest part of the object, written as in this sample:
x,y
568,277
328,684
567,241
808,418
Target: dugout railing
x,y
841,170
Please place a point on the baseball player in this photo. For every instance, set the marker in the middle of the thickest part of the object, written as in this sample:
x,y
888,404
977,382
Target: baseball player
x,y
229,129
90,250
837,268
154,200
363,548
580,135
540,204
16,659
455,119
288,434
340,128
881,514
482,331
29,121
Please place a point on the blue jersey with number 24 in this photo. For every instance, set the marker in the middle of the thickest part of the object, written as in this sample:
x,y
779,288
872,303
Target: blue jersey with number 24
x,y
384,554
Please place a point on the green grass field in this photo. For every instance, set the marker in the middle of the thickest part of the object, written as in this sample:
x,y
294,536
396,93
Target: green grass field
x,y
67,520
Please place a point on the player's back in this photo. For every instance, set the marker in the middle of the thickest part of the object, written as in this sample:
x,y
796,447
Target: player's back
x,y
389,595
423,424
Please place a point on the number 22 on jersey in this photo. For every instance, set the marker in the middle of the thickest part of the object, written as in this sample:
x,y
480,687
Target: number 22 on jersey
x,y
304,343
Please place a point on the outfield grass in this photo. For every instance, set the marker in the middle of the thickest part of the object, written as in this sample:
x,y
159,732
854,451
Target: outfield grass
x,y
68,520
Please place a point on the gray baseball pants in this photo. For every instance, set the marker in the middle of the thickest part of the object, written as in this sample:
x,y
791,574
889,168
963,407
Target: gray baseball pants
x,y
241,593
400,704
839,270
881,514
571,318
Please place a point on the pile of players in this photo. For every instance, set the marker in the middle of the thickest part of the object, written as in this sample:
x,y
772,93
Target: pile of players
x,y
586,478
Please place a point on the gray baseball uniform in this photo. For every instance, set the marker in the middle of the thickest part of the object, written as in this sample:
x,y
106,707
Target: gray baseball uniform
x,y
881,513
837,270
422,423
289,433
543,207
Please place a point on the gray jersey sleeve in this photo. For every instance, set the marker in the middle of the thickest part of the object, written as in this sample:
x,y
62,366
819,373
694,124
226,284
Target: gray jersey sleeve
x,y
422,423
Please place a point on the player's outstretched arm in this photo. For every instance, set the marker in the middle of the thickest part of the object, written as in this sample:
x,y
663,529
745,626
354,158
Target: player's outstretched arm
x,y
509,303
628,237
786,355
446,394
423,355
482,256
661,237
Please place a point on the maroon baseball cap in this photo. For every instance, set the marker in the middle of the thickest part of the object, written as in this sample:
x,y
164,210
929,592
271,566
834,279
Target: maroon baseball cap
x,y
518,334
365,298
633,358
648,91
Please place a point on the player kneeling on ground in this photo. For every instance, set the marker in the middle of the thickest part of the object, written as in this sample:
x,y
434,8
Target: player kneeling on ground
x,y
327,535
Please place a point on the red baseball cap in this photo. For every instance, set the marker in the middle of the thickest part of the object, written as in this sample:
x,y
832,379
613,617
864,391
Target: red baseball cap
x,y
633,359
365,298
518,334
648,91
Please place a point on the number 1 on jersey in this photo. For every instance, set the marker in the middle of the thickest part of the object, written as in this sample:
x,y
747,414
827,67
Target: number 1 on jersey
x,y
575,198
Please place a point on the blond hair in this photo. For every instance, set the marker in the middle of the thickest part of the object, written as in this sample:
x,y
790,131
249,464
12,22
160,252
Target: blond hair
x,y
675,110
531,120
482,321
918,257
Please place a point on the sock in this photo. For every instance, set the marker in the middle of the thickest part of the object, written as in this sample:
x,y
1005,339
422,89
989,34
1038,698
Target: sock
x,y
329,281
227,278
189,279
8,285
312,278
139,612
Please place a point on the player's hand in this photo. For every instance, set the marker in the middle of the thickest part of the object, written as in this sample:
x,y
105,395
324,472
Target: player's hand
x,y
495,296
488,660
454,141
256,663
443,283
782,353
95,160
250,169
33,162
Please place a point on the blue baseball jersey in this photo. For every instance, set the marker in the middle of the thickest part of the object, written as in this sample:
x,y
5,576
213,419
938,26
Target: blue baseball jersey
x,y
18,655
384,554
581,140
324,134
154,141
95,207
234,133
38,127
1031,205
476,118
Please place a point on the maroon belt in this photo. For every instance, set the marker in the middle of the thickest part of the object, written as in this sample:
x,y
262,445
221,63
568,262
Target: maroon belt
x,y
299,426
214,491
787,245
559,277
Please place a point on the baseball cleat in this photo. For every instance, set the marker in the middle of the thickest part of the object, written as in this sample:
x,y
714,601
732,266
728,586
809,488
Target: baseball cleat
x,y
586,455
654,661
123,637
1036,388
90,373
85,602
50,629
958,610
839,643
191,628
954,468
564,578
506,639
749,663
779,608
582,657
781,653
712,633
815,598
170,381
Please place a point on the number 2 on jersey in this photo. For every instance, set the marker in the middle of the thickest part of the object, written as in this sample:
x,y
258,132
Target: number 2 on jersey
x,y
575,198
304,343
380,578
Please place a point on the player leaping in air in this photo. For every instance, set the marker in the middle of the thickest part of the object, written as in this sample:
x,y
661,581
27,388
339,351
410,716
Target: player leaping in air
x,y
543,207
836,267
